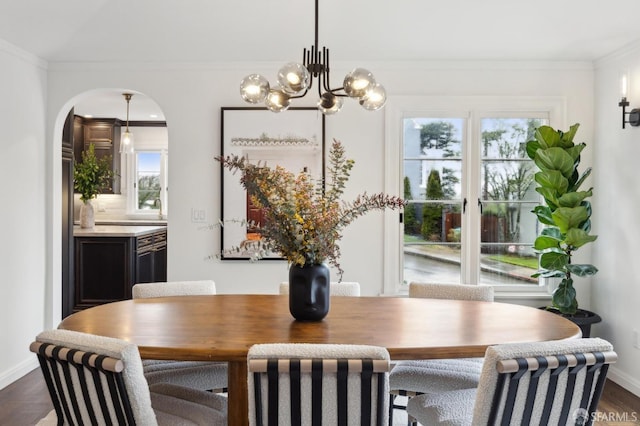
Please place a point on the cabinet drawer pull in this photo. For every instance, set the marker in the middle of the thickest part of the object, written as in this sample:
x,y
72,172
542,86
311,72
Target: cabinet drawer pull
x,y
144,242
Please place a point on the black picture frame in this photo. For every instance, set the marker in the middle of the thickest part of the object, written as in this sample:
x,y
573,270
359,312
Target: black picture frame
x,y
294,139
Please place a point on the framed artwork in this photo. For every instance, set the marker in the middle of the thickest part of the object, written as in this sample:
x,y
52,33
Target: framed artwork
x,y
293,139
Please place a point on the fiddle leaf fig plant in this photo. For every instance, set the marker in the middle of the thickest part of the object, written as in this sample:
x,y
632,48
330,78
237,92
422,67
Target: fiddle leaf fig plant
x,y
566,213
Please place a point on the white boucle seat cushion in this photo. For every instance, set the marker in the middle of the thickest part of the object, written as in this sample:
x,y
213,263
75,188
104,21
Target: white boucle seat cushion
x,y
452,408
195,374
177,405
430,376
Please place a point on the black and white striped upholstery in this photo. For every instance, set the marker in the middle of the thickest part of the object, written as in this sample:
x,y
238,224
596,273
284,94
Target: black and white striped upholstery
x,y
99,380
316,384
194,374
544,383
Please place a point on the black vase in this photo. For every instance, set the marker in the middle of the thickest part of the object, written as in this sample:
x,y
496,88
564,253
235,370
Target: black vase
x,y
309,292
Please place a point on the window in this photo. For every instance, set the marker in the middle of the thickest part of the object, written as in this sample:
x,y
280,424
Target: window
x,y
470,188
144,178
148,186
149,182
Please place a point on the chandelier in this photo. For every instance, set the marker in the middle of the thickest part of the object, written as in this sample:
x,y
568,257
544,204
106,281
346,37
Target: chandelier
x,y
295,80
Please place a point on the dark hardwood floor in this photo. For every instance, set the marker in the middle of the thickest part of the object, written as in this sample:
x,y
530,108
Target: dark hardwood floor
x,y
26,401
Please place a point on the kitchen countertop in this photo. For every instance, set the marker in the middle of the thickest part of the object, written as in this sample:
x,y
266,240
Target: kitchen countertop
x,y
116,231
128,222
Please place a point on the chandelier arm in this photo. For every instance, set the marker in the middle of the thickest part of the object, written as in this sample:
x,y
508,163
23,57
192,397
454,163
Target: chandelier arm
x,y
320,83
327,82
301,95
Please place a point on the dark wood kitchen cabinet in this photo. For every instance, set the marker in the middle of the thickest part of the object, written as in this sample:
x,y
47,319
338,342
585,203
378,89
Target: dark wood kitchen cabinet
x,y
152,258
107,266
104,134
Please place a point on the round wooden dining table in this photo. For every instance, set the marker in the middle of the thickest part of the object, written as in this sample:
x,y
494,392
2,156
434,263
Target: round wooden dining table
x,y
224,327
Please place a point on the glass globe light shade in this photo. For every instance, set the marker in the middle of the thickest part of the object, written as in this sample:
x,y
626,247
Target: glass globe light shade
x,y
293,78
375,98
277,100
329,103
358,82
126,142
254,88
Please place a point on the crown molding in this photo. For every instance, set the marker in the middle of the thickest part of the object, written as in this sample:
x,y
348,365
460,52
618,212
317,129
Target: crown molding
x,y
22,54
618,55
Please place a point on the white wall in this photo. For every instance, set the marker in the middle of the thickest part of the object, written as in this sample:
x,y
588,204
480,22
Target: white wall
x,y
616,289
23,171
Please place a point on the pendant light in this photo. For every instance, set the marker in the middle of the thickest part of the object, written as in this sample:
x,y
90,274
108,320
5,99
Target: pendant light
x,y
126,142
295,80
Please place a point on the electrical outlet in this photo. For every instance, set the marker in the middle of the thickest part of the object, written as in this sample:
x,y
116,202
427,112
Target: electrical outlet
x,y
636,339
198,215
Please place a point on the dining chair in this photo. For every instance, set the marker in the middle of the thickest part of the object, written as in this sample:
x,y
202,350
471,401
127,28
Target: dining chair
x,y
99,380
411,378
203,375
556,382
173,288
342,288
305,384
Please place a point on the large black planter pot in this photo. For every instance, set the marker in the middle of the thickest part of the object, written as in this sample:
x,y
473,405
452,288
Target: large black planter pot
x,y
582,318
309,292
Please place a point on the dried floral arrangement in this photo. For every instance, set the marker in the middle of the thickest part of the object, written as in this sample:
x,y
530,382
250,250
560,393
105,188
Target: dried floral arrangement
x,y
304,219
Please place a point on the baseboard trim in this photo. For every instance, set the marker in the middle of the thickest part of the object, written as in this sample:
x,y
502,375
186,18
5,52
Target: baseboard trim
x,y
623,379
17,372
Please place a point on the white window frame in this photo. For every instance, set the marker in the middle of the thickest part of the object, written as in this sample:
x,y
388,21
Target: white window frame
x,y
473,108
130,165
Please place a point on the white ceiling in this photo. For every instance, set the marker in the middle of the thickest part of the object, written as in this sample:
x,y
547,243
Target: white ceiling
x,y
360,31
110,104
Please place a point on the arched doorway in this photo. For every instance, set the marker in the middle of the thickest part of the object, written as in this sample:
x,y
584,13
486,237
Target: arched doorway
x,y
99,118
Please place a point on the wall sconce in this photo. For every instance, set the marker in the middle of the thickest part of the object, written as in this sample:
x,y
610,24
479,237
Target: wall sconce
x,y
634,115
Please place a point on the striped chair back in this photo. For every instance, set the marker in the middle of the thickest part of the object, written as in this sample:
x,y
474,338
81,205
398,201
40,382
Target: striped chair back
x,y
559,383
315,384
89,387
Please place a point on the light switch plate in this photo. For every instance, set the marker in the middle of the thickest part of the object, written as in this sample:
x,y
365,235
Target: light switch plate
x,y
198,215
